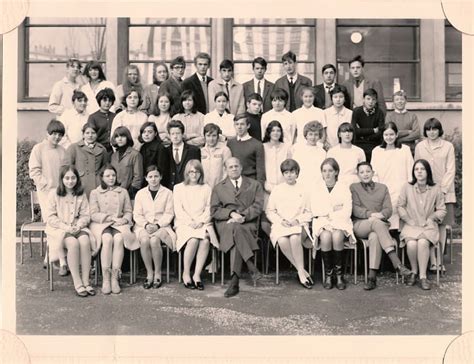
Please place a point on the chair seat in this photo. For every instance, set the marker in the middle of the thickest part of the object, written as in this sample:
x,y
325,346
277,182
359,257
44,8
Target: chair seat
x,y
33,226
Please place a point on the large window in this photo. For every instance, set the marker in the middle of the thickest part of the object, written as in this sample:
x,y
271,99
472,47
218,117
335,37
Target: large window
x,y
162,39
390,48
453,56
270,39
50,42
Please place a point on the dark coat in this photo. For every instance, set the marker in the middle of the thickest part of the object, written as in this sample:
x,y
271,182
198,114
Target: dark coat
x,y
173,175
192,83
247,201
300,82
267,90
320,96
368,83
174,89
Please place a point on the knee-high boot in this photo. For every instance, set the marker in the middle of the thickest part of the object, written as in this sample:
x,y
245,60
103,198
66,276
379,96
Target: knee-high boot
x,y
328,269
338,265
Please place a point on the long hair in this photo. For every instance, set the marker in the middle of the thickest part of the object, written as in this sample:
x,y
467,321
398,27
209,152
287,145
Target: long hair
x,y
78,190
146,125
126,84
170,99
268,131
184,96
121,131
155,66
429,173
96,66
101,175
194,163
393,126
333,163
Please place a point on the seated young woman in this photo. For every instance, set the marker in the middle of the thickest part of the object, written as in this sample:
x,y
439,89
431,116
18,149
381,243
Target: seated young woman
x,y
288,211
331,207
421,207
371,209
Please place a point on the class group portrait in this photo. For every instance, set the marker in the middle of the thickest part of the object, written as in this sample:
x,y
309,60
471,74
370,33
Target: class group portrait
x,y
159,160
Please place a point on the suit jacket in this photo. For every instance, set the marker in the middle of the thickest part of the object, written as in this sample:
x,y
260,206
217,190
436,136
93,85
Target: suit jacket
x,y
247,201
174,89
368,83
320,96
267,90
300,82
194,84
237,102
171,174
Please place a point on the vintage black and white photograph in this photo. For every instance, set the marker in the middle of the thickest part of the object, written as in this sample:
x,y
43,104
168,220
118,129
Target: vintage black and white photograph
x,y
238,176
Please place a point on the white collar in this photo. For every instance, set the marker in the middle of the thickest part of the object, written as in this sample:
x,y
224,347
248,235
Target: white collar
x,y
244,138
295,77
179,147
239,181
404,111
331,86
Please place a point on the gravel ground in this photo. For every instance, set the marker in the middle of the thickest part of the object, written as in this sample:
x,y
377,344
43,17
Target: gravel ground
x,y
268,309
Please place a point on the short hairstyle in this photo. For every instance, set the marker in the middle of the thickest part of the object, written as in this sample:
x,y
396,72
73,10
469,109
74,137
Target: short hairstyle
x,y
184,96
333,163
101,176
155,66
429,172
202,55
242,116
178,61
77,95
343,128
306,88
254,96
175,124
129,92
210,128
290,165
357,58
170,99
226,64
279,94
196,164
288,56
55,126
371,92
315,126
106,93
328,65
393,126
89,125
77,190
121,131
433,123
71,61
269,128
261,61
146,125
337,89
399,93
363,163
151,168
221,93
94,65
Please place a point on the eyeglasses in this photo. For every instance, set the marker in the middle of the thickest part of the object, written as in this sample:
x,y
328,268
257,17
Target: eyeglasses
x,y
178,67
194,172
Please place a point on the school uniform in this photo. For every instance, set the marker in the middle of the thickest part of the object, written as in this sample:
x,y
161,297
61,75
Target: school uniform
x,y
173,170
294,90
129,168
356,90
173,87
322,98
235,93
212,160
199,87
265,87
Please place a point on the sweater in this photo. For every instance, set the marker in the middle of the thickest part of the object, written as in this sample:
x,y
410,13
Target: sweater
x,y
408,127
365,202
103,124
251,155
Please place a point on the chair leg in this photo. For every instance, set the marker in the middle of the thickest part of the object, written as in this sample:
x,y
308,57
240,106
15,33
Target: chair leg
x,y
262,253
403,262
135,266
213,265
366,265
355,264
323,275
131,267
42,241
438,268
31,247
310,260
47,264
50,271
396,252
167,264
267,258
450,234
277,264
179,266
222,267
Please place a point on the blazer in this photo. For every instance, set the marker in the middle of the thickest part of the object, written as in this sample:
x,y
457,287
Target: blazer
x,y
300,82
194,84
129,169
237,102
267,90
174,89
173,174
320,96
368,83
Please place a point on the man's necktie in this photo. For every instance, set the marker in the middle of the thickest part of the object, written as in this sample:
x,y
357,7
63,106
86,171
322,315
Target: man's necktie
x,y
176,156
259,88
227,90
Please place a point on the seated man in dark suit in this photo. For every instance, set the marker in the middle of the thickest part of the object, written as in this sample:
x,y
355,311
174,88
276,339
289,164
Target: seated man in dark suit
x,y
199,81
322,98
173,158
292,82
259,84
236,205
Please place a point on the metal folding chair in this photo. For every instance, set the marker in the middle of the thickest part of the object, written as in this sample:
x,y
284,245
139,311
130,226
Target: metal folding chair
x,y
32,226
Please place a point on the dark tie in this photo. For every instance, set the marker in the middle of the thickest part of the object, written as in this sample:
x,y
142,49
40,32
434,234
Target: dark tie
x,y
227,90
292,95
259,87
236,185
176,156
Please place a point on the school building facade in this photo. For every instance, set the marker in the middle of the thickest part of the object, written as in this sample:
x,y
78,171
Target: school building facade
x,y
421,56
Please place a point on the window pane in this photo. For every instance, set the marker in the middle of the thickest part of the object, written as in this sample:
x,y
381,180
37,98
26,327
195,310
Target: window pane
x,y
454,81
41,78
243,71
453,45
272,42
378,21
171,21
387,73
67,21
251,21
59,44
166,43
146,71
378,43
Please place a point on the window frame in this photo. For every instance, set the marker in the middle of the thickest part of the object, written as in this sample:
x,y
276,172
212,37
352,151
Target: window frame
x,y
447,25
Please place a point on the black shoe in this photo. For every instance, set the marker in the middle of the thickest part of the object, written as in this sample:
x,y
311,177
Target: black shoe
x,y
338,261
340,284
157,283
148,284
424,284
328,280
404,271
199,286
411,279
306,284
189,285
231,291
371,284
310,280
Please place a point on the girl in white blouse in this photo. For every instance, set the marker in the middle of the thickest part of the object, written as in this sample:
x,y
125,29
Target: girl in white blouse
x,y
288,211
192,119
192,222
221,116
162,117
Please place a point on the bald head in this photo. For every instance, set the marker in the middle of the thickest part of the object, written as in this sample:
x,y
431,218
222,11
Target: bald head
x,y
233,167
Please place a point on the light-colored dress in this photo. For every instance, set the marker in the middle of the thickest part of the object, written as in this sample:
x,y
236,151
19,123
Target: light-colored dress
x,y
155,211
304,115
73,123
161,121
326,217
333,120
285,118
309,158
193,204
347,158
92,105
225,122
274,156
416,207
193,127
392,167
133,121
287,202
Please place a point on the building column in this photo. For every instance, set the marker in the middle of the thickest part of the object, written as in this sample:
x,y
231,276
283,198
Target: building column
x,y
218,45
117,48
325,46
